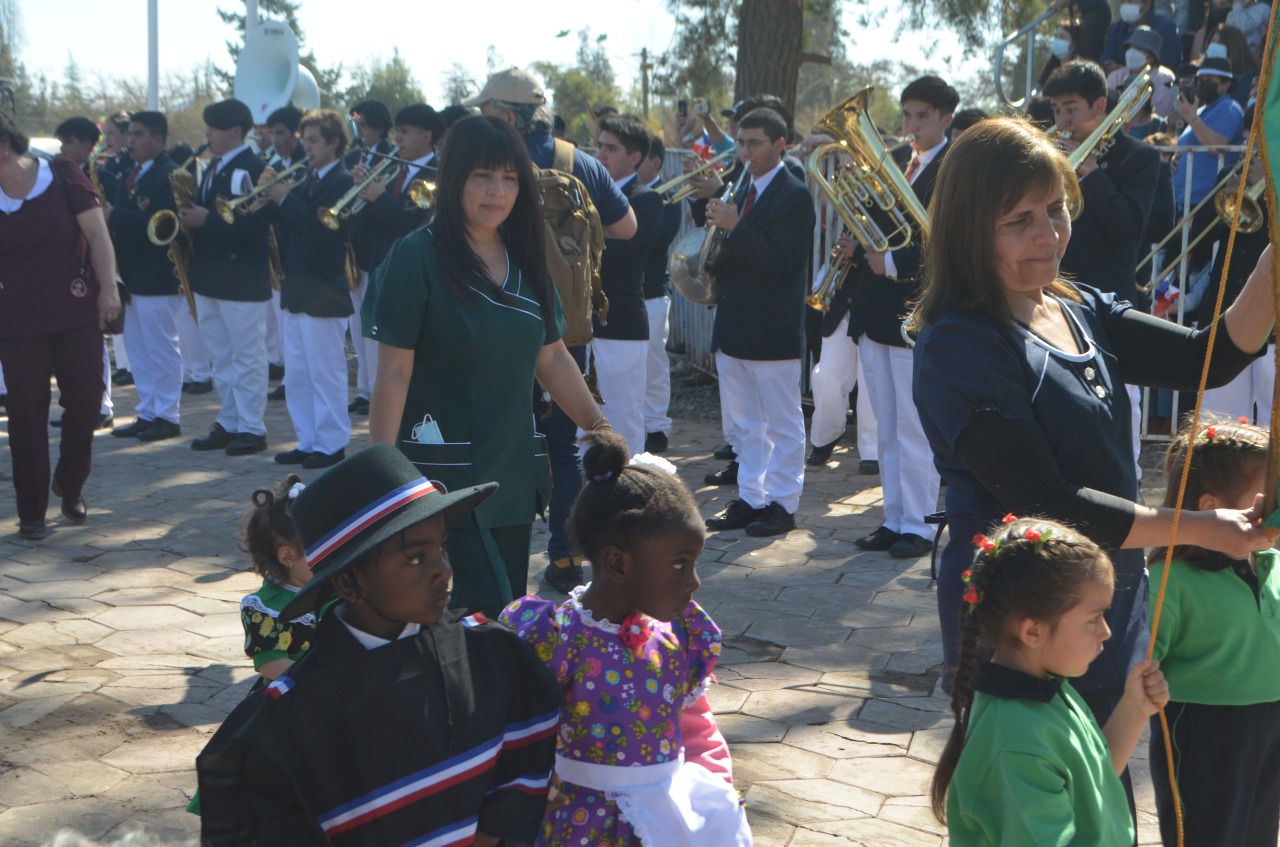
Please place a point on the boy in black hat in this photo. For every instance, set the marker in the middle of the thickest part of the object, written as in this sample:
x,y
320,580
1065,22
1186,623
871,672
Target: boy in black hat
x,y
404,723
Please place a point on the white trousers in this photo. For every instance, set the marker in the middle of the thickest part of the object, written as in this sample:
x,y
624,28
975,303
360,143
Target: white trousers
x,y
195,357
235,335
1253,385
274,354
620,374
763,400
119,349
907,474
1135,417
315,381
657,389
832,380
366,348
107,407
157,358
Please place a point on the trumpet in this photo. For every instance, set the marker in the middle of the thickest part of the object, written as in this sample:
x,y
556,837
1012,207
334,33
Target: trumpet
x,y
681,187
247,204
833,277
420,191
1246,215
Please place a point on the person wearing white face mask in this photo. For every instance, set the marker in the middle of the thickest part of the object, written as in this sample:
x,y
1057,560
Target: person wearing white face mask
x,y
1063,48
1133,15
1250,18
1231,45
1142,49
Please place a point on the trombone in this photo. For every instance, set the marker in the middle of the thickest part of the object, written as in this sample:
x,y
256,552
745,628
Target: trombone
x,y
420,191
681,187
255,200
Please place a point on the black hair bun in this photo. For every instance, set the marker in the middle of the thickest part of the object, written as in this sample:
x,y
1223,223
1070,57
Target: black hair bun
x,y
607,454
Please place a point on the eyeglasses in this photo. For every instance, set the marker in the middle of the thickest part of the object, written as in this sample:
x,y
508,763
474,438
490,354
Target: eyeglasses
x,y
752,144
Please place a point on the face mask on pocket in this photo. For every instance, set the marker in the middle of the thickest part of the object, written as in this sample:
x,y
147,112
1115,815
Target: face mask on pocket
x,y
427,432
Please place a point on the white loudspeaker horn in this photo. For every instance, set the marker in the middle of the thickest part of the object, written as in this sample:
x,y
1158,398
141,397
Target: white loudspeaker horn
x,y
267,69
306,94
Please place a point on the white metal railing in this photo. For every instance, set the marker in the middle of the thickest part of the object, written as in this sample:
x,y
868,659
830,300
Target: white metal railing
x,y
1028,56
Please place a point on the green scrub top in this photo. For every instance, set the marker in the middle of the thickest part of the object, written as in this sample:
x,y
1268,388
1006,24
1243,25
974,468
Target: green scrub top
x,y
473,373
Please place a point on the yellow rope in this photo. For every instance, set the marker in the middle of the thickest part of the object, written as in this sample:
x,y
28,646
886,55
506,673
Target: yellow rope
x,y
1264,78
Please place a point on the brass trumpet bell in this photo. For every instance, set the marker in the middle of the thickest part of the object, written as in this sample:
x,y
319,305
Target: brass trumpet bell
x,y
1247,215
421,193
163,227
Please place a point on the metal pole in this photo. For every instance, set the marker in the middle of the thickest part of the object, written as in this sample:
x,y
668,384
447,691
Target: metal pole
x,y
644,79
250,15
153,55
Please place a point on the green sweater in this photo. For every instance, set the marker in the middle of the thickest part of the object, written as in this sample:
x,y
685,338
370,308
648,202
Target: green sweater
x,y
1218,645
1035,770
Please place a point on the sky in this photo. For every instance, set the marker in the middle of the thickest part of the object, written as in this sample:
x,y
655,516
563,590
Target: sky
x,y
110,36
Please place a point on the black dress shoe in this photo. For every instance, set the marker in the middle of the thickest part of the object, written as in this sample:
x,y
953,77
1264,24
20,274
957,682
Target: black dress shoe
x,y
564,577
31,530
316,461
198,387
275,372
122,377
910,546
292,457
74,508
159,430
217,439
868,467
737,515
276,393
819,456
880,540
773,520
656,442
358,406
134,429
724,453
246,444
728,475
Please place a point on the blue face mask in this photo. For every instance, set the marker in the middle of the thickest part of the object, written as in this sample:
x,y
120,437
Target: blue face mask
x,y
1215,51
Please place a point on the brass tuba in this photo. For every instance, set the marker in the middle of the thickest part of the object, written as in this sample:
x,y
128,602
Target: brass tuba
x,y
873,182
691,256
833,276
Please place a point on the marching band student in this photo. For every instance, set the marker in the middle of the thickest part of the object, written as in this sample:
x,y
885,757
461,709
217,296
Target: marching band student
x,y
657,300
758,335
373,119
282,129
149,274
315,296
888,283
388,215
231,280
112,169
620,346
78,137
197,372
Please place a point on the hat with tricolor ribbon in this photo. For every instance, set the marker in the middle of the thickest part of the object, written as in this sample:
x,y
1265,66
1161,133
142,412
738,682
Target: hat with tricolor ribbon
x,y
358,504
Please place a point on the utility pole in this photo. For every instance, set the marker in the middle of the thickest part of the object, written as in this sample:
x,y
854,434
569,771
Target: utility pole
x,y
645,67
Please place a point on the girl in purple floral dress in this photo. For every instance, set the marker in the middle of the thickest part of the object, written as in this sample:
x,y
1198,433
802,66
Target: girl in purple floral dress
x,y
631,650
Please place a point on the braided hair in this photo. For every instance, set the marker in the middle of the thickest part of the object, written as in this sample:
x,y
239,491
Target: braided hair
x,y
268,525
1226,456
1029,568
621,503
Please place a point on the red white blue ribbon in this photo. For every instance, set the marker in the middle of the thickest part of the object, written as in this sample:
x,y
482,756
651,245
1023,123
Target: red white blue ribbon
x,y
367,517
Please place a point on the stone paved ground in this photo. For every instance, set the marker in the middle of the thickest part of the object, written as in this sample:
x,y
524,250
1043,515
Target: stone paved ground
x,y
121,650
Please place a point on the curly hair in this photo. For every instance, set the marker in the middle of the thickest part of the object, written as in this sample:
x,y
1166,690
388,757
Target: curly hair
x,y
268,525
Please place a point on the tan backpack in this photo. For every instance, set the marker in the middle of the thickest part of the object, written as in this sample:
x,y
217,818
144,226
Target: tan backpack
x,y
575,243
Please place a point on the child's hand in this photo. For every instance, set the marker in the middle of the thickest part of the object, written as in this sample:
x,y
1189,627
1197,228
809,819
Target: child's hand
x,y
1146,688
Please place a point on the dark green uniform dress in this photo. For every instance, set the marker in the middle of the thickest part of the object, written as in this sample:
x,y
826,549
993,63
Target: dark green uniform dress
x,y
473,373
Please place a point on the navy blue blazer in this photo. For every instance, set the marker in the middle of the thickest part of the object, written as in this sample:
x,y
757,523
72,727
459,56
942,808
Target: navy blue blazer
x,y
657,278
231,260
623,265
277,164
879,304
384,221
144,267
763,271
315,268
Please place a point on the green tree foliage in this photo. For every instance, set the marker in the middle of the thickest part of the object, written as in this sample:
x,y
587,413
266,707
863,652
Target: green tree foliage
x,y
390,81
582,86
459,84
327,79
701,59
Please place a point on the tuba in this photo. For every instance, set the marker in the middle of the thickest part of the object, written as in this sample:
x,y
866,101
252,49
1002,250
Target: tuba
x,y
872,183
693,255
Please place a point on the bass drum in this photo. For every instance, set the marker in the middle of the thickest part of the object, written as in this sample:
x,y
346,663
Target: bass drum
x,y
687,267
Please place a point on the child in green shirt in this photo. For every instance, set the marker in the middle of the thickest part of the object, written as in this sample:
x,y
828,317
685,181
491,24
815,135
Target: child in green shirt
x,y
1026,762
1219,642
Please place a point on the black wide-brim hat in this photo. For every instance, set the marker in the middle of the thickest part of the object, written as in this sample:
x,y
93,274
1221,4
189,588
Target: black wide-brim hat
x,y
358,504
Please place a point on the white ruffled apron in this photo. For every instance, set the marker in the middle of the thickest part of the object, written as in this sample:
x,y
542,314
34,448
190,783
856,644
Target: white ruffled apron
x,y
674,804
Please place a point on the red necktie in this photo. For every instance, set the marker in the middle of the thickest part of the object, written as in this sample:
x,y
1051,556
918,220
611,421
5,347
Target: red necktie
x,y
133,177
315,180
913,167
751,201
398,186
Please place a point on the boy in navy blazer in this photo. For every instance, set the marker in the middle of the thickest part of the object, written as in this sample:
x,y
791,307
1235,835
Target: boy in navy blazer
x,y
758,335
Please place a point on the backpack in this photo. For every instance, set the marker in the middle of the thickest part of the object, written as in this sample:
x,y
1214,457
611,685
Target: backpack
x,y
575,243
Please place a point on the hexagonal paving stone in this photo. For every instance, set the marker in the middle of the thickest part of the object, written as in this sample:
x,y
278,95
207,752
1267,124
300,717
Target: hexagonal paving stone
x,y
156,753
850,739
902,716
154,596
50,634
146,617
809,800
896,776
871,832
133,642
802,705
768,676
128,560
746,729
754,763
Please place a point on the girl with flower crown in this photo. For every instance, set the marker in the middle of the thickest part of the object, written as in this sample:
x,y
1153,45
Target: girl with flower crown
x,y
1026,762
632,652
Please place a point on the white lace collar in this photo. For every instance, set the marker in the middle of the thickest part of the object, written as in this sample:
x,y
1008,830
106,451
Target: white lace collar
x,y
575,600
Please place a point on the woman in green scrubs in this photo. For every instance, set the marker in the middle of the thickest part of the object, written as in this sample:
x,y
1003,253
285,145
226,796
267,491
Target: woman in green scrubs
x,y
465,316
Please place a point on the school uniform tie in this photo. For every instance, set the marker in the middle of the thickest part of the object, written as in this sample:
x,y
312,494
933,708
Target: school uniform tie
x,y
133,177
398,186
751,201
209,174
315,180
912,168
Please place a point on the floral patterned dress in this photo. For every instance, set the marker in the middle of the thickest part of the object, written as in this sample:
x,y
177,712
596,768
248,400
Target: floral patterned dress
x,y
624,689
266,637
